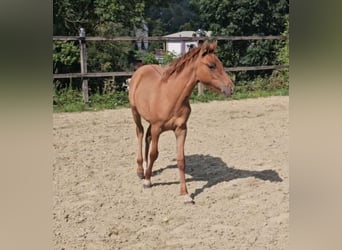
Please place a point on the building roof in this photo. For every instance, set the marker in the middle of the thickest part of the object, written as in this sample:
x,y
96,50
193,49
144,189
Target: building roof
x,y
187,33
181,34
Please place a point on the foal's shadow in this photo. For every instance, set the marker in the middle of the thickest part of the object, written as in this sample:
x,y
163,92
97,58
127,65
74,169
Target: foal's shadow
x,y
214,171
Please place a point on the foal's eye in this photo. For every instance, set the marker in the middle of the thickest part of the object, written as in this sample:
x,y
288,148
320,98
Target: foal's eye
x,y
211,66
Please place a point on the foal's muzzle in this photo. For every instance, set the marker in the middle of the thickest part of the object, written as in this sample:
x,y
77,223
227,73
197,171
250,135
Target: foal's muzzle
x,y
227,91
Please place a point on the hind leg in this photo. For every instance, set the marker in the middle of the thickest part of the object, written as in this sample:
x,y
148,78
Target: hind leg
x,y
155,133
140,135
140,169
148,139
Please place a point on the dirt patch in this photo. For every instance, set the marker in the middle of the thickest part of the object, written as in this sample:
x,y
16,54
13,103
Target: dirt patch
x,y
237,171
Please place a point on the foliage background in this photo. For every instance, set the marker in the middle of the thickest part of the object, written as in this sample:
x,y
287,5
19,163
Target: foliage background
x,y
120,18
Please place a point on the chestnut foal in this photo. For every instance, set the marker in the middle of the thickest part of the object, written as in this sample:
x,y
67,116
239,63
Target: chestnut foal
x,y
161,97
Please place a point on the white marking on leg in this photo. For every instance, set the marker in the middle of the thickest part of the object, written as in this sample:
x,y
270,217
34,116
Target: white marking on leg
x,y
187,199
147,183
144,167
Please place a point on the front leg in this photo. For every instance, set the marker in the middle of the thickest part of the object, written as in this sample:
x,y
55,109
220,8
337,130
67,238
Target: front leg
x,y
180,133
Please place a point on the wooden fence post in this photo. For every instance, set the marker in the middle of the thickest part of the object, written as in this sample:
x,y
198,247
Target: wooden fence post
x,y
200,33
83,58
200,88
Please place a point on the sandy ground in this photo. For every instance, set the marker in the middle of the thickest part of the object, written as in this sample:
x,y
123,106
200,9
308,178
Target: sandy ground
x,y
237,172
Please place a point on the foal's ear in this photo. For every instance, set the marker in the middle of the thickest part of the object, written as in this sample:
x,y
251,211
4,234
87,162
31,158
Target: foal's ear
x,y
205,48
208,47
213,46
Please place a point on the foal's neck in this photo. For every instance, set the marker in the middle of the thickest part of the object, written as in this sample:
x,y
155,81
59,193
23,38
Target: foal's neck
x,y
186,81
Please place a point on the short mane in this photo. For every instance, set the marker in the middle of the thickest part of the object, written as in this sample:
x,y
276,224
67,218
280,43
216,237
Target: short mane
x,y
178,64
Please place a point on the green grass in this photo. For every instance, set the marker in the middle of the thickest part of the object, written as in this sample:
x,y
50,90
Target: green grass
x,y
69,100
260,93
209,96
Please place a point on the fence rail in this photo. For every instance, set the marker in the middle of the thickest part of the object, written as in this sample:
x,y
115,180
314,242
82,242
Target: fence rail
x,y
92,75
165,39
129,73
83,55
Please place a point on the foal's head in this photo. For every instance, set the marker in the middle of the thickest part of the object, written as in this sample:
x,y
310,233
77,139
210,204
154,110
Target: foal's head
x,y
209,70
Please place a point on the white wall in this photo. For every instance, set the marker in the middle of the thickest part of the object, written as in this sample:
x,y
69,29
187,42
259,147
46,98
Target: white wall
x,y
176,47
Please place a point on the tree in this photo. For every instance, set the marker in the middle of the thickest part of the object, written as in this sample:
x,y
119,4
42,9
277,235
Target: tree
x,y
70,15
283,54
244,17
178,15
65,56
99,18
95,15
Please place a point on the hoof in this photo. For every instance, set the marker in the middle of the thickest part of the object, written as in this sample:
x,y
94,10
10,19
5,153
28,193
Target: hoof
x,y
140,175
147,184
188,199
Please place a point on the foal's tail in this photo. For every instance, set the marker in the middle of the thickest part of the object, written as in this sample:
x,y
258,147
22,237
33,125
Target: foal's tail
x,y
137,119
131,96
133,85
